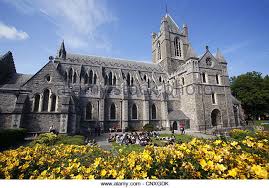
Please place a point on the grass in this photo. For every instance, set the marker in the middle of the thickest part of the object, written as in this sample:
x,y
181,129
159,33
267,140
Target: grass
x,y
259,123
134,147
74,140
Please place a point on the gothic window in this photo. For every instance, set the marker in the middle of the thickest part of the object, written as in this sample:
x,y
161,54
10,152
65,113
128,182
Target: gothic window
x,y
94,79
110,79
86,79
112,111
153,111
183,81
160,79
213,96
159,51
75,78
177,47
106,80
148,83
70,75
90,77
45,100
37,101
217,79
203,77
145,77
114,80
132,81
128,79
89,111
53,103
134,112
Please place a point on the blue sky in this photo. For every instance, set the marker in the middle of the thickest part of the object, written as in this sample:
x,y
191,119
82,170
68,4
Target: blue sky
x,y
33,30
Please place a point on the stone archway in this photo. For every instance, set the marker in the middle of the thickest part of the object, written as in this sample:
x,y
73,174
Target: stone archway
x,y
174,125
215,118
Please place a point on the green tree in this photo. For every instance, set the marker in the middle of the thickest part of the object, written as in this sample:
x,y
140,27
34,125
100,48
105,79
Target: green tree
x,y
253,91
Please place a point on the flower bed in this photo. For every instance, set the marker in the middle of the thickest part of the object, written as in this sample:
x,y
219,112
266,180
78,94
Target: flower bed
x,y
197,159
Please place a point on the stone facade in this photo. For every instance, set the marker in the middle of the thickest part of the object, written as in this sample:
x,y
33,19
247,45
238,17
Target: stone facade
x,y
76,93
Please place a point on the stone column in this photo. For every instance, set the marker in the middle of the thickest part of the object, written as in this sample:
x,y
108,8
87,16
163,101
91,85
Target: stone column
x,y
124,112
164,114
63,123
145,111
40,103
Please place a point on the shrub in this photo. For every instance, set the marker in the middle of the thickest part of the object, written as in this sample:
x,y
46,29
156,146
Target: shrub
x,y
46,138
239,134
50,139
148,127
71,140
9,137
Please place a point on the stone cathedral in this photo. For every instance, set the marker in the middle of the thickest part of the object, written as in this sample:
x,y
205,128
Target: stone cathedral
x,y
74,93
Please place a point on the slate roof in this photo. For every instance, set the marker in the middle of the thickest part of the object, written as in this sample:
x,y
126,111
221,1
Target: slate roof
x,y
172,24
113,62
16,81
177,115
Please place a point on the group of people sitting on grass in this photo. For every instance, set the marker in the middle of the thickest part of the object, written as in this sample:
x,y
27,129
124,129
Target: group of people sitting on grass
x,y
142,139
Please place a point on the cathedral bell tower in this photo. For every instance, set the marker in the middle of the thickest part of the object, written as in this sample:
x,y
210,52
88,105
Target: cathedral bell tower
x,y
170,45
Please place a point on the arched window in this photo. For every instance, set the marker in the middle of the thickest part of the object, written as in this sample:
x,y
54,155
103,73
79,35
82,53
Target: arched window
x,y
218,79
214,100
37,101
94,79
114,80
148,83
160,79
134,112
70,76
89,111
75,78
86,79
106,80
203,77
45,100
112,111
177,47
53,103
90,77
145,77
159,51
128,79
110,78
132,81
153,111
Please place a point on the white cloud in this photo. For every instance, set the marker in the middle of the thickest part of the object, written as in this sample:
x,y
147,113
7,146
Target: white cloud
x,y
78,21
11,33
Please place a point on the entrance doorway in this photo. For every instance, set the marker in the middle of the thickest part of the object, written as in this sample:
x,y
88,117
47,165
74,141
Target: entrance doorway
x,y
174,125
216,118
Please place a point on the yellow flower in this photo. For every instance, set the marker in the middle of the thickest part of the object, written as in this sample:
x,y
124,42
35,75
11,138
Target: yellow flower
x,y
234,143
103,172
203,163
217,142
91,177
232,172
79,177
113,173
138,167
260,171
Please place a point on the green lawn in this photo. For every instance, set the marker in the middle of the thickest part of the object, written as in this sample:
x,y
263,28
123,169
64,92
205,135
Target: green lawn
x,y
134,147
259,122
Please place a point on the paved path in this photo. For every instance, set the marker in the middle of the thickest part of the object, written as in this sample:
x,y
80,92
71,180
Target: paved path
x,y
103,143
